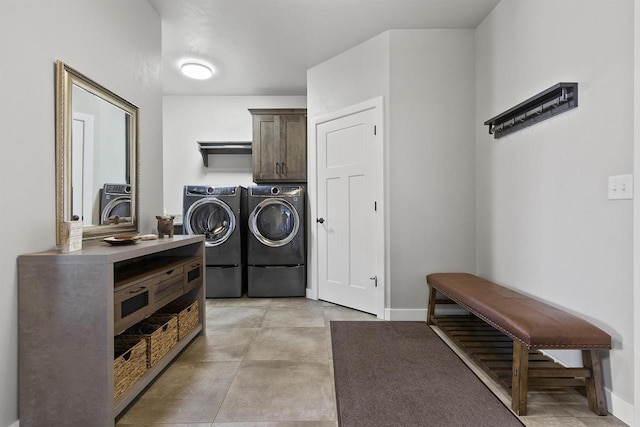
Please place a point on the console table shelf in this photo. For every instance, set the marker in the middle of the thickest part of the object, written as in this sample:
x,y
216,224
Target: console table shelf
x,y
66,326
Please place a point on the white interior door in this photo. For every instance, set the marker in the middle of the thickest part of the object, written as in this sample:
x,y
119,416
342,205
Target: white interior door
x,y
349,233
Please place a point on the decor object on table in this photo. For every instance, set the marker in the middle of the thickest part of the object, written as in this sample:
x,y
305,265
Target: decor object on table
x,y
113,219
165,225
71,236
122,240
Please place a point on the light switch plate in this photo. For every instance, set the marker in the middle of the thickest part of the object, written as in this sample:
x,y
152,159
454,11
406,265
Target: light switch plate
x,y
621,187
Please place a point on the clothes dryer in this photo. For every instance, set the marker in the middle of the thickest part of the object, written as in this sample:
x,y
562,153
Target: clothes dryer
x,y
276,241
219,213
115,201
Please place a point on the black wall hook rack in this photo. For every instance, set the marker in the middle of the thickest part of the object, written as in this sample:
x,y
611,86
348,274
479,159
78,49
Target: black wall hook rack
x,y
548,103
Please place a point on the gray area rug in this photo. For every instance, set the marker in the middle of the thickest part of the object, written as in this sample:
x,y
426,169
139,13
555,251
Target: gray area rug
x,y
403,374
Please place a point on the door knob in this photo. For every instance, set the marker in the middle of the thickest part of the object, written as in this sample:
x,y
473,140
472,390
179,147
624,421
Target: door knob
x,y
320,220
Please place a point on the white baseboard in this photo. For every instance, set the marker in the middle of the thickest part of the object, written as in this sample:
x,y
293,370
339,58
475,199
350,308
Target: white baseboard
x,y
419,314
406,314
619,408
310,294
567,358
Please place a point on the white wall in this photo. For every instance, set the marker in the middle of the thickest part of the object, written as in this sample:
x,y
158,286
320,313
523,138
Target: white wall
x,y
357,75
427,80
431,156
189,119
114,42
544,224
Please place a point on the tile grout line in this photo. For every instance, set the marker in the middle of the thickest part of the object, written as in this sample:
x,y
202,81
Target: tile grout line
x,y
242,360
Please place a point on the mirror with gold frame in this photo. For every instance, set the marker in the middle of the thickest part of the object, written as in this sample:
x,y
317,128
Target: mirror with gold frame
x,y
96,157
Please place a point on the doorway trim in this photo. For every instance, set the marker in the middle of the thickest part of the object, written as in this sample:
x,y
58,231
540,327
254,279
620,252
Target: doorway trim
x,y
377,105
634,417
85,170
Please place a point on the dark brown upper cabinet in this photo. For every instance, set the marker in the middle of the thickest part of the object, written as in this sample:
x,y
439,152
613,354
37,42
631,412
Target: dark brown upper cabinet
x,y
279,145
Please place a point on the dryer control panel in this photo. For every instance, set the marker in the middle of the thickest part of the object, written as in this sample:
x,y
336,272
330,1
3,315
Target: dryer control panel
x,y
208,190
269,191
117,189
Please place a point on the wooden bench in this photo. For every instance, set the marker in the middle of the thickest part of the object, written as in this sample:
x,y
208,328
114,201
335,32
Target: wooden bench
x,y
530,325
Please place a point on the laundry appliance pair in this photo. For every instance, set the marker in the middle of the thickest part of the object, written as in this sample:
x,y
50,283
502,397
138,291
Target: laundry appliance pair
x,y
254,238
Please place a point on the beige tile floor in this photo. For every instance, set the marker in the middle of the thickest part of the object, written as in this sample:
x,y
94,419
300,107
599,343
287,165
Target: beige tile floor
x,y
267,363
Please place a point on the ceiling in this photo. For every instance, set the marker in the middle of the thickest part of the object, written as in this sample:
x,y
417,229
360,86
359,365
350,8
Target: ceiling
x,y
264,47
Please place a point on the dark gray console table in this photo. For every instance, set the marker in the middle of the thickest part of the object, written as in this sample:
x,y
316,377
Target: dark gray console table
x,y
66,327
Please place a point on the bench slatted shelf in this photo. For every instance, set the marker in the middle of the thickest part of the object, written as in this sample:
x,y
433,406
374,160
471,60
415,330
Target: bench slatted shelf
x,y
505,331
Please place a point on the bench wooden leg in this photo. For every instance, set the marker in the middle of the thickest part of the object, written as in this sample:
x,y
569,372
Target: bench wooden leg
x,y
595,388
432,305
520,379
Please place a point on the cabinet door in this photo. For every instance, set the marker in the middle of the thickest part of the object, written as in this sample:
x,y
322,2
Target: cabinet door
x,y
266,148
293,147
279,145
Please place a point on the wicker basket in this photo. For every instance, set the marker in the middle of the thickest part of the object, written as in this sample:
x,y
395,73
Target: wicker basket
x,y
130,365
188,316
163,339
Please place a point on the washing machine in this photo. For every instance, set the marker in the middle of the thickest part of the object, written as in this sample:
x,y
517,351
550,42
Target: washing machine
x,y
276,241
115,200
219,213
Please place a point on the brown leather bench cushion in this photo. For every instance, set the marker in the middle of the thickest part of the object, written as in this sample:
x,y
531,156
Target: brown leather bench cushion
x,y
532,322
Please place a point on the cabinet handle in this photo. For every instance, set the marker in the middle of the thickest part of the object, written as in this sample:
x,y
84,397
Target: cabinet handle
x,y
169,272
278,168
284,168
140,289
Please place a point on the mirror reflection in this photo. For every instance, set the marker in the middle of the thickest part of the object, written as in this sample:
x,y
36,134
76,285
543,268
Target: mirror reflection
x,y
96,157
100,179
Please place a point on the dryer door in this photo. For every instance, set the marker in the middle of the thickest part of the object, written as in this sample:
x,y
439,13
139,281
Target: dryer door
x,y
213,218
274,222
117,207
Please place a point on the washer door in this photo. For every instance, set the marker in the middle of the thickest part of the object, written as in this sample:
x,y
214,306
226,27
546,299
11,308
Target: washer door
x,y
118,206
274,222
211,217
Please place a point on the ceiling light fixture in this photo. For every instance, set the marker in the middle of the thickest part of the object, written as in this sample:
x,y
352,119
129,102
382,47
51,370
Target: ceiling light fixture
x,y
196,70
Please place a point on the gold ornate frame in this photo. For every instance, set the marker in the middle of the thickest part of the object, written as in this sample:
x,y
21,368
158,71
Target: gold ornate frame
x,y
66,78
